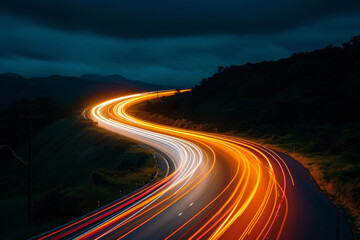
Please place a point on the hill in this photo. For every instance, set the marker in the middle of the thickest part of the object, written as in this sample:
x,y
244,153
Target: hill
x,y
125,82
307,104
75,165
65,89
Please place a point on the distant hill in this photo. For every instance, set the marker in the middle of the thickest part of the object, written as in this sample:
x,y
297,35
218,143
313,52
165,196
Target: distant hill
x,y
65,89
124,81
106,78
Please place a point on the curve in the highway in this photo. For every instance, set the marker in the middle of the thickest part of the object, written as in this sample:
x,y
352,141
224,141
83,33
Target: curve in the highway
x,y
219,187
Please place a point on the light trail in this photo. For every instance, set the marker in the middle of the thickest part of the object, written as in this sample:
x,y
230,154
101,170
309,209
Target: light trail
x,y
220,187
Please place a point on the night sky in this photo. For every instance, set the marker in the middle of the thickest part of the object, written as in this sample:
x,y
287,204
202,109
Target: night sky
x,y
163,41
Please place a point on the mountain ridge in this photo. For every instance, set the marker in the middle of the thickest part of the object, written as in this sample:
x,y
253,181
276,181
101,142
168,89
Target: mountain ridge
x,y
65,89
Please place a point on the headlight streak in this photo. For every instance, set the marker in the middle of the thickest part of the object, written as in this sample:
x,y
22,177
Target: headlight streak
x,y
251,202
160,211
192,154
116,206
249,144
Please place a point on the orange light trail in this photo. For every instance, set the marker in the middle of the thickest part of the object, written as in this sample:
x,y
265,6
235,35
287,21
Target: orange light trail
x,y
237,187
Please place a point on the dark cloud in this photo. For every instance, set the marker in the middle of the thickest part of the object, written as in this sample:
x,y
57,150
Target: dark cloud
x,y
163,41
163,18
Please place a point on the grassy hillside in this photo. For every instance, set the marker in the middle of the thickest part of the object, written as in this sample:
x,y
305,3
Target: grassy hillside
x,y
307,105
76,164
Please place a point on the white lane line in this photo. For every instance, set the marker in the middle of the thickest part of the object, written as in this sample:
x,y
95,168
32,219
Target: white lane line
x,y
180,214
191,204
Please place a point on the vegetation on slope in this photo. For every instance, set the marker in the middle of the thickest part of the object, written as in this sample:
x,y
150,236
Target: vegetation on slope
x,y
308,104
77,166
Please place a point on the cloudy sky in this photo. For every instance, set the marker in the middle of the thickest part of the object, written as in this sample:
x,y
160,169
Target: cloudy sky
x,y
164,41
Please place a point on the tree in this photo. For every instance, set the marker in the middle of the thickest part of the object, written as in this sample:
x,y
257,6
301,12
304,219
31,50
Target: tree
x,y
354,42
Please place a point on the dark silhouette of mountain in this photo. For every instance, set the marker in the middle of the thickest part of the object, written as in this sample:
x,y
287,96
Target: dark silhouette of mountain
x,y
108,78
120,79
10,74
65,89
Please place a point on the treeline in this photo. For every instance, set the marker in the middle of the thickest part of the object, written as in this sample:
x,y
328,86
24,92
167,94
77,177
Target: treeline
x,y
313,94
321,86
309,102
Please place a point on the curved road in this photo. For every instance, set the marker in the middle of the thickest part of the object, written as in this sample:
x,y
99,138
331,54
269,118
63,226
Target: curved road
x,y
218,187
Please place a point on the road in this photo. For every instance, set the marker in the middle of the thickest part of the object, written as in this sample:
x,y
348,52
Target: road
x,y
218,187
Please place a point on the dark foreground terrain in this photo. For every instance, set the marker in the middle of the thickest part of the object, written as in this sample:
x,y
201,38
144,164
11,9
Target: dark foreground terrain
x,y
76,166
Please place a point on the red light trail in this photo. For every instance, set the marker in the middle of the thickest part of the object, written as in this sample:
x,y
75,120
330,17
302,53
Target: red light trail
x,y
220,187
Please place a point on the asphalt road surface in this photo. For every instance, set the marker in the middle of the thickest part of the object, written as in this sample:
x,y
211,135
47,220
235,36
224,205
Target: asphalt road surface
x,y
217,187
